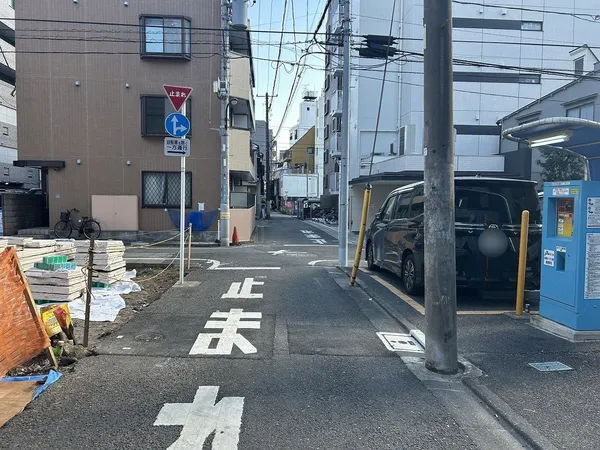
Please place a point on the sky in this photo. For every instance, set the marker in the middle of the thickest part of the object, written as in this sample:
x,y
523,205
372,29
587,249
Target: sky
x,y
267,15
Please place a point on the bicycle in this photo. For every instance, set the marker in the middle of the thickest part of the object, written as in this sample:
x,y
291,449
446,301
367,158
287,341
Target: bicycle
x,y
87,226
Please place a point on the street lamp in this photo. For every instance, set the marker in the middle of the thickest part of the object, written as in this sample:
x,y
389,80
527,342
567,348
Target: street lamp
x,y
232,102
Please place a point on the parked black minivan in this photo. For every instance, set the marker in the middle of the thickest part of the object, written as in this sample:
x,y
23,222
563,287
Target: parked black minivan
x,y
488,224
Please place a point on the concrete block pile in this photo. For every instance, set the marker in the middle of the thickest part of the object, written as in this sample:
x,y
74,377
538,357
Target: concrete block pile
x,y
109,262
31,251
56,280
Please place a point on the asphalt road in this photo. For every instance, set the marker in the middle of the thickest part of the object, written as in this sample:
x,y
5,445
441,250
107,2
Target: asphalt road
x,y
265,347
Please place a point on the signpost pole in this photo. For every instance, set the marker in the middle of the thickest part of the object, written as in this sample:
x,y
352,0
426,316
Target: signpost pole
x,y
178,126
182,213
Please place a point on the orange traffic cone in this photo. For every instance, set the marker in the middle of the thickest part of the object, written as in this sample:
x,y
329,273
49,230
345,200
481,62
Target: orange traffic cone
x,y
235,240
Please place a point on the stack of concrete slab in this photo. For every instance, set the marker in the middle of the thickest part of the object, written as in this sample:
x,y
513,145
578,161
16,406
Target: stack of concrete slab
x,y
31,251
56,280
109,262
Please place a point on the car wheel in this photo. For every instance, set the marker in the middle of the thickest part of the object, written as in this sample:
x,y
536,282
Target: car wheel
x,y
409,276
371,257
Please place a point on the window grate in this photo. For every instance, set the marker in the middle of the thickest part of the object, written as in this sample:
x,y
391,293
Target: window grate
x,y
163,189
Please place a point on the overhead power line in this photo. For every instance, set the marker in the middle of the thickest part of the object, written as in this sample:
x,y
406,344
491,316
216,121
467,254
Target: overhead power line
x,y
279,53
387,58
141,26
581,16
321,19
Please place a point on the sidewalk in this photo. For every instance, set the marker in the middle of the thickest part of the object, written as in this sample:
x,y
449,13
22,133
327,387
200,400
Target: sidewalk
x,y
548,409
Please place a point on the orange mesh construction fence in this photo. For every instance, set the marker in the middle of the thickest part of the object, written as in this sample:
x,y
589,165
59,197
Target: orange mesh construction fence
x,y
22,335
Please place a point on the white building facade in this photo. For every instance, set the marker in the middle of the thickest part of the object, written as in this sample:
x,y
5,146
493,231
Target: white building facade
x,y
493,49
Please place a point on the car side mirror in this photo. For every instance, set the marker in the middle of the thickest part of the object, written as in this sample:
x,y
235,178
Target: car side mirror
x,y
378,216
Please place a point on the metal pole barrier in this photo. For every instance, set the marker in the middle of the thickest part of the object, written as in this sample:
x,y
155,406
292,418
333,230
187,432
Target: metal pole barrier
x,y
522,261
190,249
361,234
88,298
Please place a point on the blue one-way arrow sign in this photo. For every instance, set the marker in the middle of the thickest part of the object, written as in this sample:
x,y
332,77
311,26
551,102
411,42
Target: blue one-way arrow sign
x,y
177,125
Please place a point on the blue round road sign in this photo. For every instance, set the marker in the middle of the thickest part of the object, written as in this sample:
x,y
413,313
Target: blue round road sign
x,y
177,125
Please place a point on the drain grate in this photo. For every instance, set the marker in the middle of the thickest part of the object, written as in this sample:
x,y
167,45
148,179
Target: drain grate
x,y
553,366
397,342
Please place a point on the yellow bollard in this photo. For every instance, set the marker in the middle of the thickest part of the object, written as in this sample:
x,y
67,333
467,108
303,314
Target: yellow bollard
x,y
522,261
361,234
190,249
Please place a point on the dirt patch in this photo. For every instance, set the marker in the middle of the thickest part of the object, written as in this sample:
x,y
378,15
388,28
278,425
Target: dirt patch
x,y
154,283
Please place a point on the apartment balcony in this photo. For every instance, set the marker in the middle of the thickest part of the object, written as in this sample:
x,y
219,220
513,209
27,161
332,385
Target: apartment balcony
x,y
462,163
335,109
240,159
334,147
240,85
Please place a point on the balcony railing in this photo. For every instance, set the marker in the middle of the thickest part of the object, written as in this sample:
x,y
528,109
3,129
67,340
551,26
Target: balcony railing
x,y
334,148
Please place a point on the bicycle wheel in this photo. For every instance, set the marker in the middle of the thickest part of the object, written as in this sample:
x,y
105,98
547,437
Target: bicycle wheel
x,y
63,230
91,229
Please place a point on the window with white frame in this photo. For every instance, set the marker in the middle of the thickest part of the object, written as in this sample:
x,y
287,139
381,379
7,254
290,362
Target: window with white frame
x,y
582,112
166,37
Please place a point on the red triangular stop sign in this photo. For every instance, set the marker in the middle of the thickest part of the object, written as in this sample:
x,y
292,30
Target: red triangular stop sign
x,y
177,94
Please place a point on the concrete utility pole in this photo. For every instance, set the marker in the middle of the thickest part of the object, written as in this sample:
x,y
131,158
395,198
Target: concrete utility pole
x,y
343,196
224,96
440,252
268,160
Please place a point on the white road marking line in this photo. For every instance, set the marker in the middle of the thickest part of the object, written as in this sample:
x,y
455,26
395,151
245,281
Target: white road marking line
x,y
229,337
120,337
412,303
239,290
287,253
313,236
309,245
126,348
203,417
313,263
319,241
216,265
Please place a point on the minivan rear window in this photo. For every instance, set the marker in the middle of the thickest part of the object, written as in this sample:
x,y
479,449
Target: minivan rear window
x,y
496,203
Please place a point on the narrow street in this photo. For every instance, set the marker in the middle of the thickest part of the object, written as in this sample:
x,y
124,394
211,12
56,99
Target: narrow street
x,y
263,348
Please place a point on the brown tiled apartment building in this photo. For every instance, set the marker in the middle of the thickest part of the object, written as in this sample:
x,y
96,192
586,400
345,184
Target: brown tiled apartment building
x,y
92,107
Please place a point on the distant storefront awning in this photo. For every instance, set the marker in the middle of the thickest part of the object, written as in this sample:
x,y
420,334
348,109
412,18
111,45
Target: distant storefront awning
x,y
579,136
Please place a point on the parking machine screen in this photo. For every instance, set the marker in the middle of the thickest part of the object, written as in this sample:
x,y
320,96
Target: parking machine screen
x,y
564,223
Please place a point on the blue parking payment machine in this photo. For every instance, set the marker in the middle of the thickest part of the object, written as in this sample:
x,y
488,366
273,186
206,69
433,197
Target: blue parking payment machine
x,y
570,275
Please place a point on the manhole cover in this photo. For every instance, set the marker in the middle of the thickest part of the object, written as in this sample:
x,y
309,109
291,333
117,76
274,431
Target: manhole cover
x,y
149,337
397,342
553,366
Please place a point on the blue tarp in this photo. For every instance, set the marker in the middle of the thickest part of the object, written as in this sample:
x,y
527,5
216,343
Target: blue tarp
x,y
200,220
52,377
